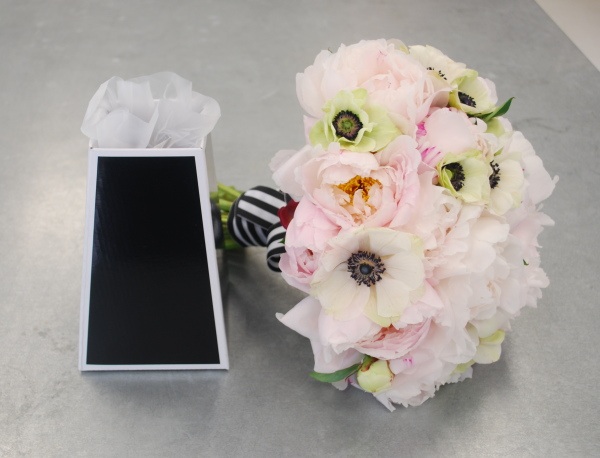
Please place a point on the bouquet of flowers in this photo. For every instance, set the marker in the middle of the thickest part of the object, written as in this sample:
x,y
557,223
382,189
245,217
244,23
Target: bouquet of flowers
x,y
413,220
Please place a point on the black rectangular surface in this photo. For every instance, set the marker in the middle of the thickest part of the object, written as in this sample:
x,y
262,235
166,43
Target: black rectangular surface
x,y
150,295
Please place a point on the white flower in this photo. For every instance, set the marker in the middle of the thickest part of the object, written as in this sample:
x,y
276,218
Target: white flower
x,y
373,271
474,95
465,176
439,64
506,182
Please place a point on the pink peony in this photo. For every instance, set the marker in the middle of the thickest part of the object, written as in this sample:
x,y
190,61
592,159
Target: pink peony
x,y
538,183
306,238
285,164
444,131
395,81
303,319
354,189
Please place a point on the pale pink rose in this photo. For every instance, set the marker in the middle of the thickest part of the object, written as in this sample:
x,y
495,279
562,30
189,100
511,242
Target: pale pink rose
x,y
526,224
409,104
419,373
435,216
310,227
306,238
393,79
486,234
444,131
448,335
447,257
303,319
416,379
538,183
390,342
508,282
470,265
285,165
502,263
402,156
298,266
353,189
342,335
428,306
488,266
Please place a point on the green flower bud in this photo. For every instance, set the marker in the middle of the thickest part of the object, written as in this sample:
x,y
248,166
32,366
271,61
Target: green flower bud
x,y
374,376
489,348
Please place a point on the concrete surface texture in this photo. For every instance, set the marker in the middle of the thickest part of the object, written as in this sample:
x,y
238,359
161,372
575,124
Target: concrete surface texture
x,y
540,399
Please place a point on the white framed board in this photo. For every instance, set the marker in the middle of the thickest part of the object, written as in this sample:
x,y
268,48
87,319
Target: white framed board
x,y
151,295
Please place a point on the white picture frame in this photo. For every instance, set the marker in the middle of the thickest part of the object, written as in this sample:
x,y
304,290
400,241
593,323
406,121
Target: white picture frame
x,y
103,333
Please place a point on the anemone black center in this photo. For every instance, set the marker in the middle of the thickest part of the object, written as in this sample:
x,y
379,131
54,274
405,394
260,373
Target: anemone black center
x,y
457,175
466,99
495,176
365,268
347,125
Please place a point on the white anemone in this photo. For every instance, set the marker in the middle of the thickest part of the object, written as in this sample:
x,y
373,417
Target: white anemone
x,y
377,272
475,95
506,182
439,64
465,176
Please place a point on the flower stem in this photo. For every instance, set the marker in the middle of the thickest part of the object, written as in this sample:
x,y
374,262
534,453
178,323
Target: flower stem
x,y
225,197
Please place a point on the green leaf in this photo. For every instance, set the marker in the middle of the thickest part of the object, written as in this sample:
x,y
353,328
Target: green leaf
x,y
498,111
335,376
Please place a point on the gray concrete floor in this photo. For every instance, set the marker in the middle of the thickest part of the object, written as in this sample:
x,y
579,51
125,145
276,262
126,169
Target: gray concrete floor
x,y
579,20
540,399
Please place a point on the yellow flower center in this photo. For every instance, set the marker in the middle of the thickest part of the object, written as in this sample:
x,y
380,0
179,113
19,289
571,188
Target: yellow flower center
x,y
354,184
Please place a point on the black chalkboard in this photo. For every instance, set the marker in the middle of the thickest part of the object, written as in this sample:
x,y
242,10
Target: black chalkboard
x,y
151,286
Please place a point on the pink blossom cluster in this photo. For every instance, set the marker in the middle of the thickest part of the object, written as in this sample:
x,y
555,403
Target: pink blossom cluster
x,y
417,219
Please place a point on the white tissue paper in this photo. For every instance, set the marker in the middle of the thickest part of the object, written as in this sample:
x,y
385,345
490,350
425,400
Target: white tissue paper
x,y
156,111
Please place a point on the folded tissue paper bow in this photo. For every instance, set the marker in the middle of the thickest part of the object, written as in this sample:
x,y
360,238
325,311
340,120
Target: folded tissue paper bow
x,y
156,111
411,220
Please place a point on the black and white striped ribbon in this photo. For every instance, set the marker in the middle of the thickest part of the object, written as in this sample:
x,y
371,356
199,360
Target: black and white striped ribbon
x,y
253,221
